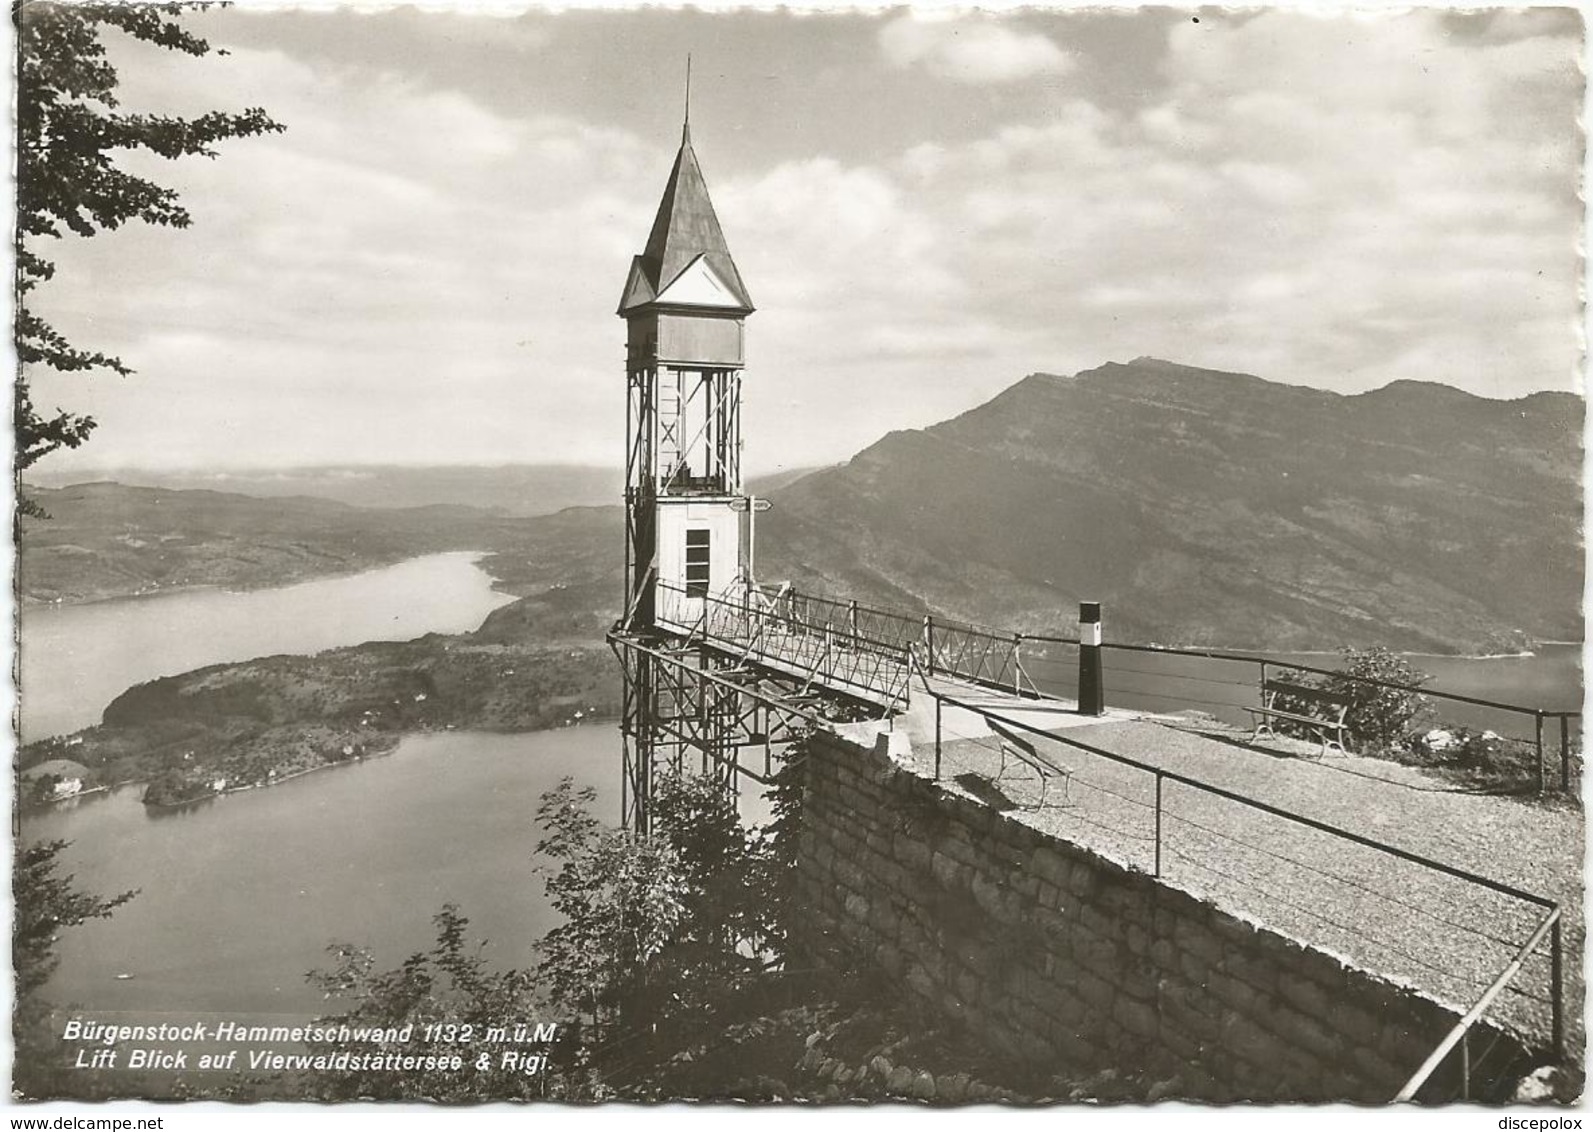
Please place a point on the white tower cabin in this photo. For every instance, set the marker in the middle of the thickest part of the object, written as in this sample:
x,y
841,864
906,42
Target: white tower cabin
x,y
687,529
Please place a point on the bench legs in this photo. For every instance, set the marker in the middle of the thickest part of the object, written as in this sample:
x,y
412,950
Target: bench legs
x,y
1330,735
1331,738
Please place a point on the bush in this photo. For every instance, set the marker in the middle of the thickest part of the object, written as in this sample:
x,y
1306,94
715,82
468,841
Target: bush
x,y
1486,760
439,994
657,927
1378,718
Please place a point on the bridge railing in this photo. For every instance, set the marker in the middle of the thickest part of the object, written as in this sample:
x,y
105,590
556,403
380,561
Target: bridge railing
x,y
1163,678
939,645
1332,867
882,627
1225,684
804,638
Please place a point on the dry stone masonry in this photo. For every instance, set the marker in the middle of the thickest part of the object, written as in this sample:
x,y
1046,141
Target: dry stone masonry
x,y
1069,963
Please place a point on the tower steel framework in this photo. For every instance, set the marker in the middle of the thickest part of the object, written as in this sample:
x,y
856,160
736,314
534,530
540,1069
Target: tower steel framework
x,y
715,681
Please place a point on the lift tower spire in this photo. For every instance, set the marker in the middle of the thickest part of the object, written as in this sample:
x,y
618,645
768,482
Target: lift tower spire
x,y
687,521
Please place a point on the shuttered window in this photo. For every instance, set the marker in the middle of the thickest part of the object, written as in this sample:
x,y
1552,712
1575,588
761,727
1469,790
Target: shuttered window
x,y
697,563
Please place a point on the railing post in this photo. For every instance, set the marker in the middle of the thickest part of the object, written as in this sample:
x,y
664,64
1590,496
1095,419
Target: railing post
x,y
907,689
1465,1066
1158,823
1565,754
851,618
1017,669
929,641
1543,774
1557,991
937,738
1092,691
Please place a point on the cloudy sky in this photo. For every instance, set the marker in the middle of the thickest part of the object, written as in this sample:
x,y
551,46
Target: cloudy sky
x,y
424,267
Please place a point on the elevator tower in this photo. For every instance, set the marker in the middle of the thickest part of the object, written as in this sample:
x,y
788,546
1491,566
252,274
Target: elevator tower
x,y
688,524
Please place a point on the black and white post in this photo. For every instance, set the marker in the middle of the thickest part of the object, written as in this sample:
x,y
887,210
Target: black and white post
x,y
1092,691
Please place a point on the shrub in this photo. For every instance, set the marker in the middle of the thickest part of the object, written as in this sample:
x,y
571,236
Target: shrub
x,y
1378,718
1487,760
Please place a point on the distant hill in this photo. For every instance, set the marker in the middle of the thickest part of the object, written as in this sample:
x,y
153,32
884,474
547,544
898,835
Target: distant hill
x,y
773,481
512,489
107,540
509,489
1216,508
1202,507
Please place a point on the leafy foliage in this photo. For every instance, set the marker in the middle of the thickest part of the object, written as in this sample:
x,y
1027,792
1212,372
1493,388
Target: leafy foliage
x,y
68,128
1486,760
451,988
664,937
623,898
773,883
657,926
1378,717
44,903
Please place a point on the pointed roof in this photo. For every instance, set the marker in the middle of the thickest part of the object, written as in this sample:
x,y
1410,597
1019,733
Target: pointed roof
x,y
684,231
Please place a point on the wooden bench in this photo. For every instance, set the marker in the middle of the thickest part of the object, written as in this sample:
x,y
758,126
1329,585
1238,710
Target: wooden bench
x,y
1327,710
1023,749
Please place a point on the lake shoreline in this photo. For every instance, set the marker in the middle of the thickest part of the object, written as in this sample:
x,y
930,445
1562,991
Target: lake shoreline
x,y
53,804
354,760
238,901
78,659
27,603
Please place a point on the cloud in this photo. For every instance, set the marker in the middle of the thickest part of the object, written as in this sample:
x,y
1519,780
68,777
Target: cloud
x,y
401,274
970,49
408,273
1338,202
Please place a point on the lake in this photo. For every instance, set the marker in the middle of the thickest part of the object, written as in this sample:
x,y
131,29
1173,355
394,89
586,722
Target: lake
x,y
1550,679
240,895
77,658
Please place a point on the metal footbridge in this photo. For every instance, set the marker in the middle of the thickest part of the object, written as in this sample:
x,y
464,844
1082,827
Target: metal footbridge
x,y
843,648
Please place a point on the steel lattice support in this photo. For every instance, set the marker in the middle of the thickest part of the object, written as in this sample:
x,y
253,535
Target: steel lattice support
x,y
640,492
692,707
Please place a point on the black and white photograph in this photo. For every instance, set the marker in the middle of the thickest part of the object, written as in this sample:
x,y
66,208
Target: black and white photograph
x,y
990,558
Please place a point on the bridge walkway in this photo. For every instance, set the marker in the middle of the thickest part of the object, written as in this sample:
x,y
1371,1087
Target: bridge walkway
x,y
816,652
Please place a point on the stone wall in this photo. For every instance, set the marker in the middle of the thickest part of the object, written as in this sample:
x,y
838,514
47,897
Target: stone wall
x,y
1071,963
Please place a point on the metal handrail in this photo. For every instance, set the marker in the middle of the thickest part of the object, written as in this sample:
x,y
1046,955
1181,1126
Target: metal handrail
x,y
1373,681
1552,921
1324,827
922,633
747,610
931,635
827,652
954,626
1462,1029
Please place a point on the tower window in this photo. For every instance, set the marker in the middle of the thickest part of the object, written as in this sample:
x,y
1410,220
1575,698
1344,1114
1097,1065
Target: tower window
x,y
697,563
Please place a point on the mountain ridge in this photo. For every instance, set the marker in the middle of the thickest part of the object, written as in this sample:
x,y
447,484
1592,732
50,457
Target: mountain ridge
x,y
1203,507
1211,507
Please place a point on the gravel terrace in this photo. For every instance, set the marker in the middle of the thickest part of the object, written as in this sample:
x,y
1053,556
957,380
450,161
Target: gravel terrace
x,y
1447,937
